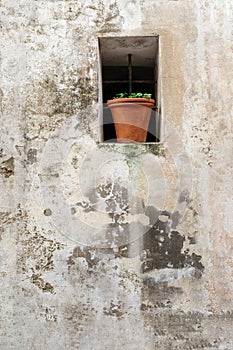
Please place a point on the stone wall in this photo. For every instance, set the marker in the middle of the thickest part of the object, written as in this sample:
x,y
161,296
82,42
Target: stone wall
x,y
114,246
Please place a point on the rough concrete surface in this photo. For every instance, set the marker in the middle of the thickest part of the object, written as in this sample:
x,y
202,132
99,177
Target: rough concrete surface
x,y
113,246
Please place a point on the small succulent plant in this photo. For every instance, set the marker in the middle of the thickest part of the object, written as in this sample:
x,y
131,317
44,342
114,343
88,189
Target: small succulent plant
x,y
132,95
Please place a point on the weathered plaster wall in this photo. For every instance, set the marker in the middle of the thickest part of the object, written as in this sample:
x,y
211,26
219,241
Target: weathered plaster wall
x,y
115,246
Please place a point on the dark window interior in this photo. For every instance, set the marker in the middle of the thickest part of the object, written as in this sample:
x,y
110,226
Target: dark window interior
x,y
115,80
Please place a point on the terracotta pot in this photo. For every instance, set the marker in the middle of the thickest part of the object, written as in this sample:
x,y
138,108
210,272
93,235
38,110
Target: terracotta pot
x,y
131,118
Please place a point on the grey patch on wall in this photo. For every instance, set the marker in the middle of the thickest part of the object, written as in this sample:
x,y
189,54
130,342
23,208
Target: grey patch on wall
x,y
87,253
175,218
163,246
160,247
32,155
185,329
115,199
184,197
89,261
157,295
86,92
7,167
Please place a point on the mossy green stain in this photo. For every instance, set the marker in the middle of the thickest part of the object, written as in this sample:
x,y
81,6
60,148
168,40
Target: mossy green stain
x,y
132,150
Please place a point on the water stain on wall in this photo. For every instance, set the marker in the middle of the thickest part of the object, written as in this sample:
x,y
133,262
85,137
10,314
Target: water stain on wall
x,y
163,246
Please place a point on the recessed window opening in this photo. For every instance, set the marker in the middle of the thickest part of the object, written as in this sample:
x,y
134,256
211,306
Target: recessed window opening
x,y
129,65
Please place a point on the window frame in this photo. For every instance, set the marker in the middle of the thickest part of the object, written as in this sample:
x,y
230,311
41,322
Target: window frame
x,y
157,80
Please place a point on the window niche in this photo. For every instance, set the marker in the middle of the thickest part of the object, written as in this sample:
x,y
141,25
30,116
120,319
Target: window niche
x,y
129,64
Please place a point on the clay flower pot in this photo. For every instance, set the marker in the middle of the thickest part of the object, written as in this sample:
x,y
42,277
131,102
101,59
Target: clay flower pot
x,y
131,118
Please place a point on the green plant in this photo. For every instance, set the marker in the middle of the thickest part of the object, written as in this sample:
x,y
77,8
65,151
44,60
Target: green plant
x,y
132,95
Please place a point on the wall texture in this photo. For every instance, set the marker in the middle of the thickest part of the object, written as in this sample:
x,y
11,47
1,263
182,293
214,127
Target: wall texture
x,y
109,246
